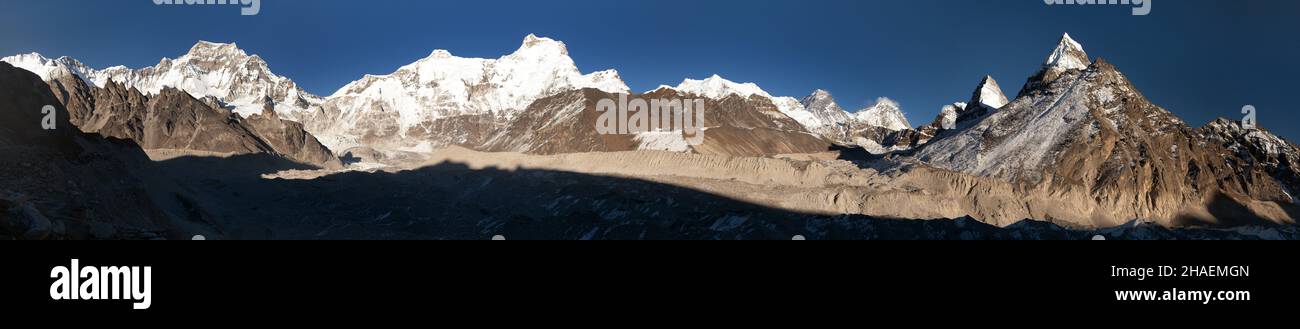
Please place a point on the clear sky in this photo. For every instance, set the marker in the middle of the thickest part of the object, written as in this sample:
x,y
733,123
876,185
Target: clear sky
x,y
1199,58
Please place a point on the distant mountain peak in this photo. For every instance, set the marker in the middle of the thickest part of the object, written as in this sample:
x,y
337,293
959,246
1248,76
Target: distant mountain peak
x,y
885,113
717,87
820,93
826,112
989,94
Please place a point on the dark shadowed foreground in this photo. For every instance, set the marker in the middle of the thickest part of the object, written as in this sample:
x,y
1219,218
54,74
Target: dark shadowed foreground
x,y
452,201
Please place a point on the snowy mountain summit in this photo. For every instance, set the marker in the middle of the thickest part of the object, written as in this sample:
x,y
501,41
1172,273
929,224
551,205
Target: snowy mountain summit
x,y
384,110
716,87
822,105
1068,55
817,112
224,71
219,70
885,113
990,94
51,69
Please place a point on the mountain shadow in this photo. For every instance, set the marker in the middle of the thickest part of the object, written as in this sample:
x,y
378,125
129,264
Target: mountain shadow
x,y
454,201
1230,213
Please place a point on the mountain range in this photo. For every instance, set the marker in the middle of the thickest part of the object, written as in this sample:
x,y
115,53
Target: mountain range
x,y
1078,146
437,101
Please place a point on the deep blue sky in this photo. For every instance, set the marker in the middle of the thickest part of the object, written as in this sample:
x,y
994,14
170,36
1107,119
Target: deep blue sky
x,y
1199,58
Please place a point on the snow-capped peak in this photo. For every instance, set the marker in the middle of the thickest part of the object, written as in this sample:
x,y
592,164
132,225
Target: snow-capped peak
x,y
716,87
990,94
51,69
440,53
1068,55
542,66
886,113
441,85
220,70
608,81
811,118
208,49
821,102
823,108
819,94
534,43
662,88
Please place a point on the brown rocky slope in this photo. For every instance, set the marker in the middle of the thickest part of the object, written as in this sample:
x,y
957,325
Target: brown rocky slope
x,y
64,184
735,126
175,122
1084,146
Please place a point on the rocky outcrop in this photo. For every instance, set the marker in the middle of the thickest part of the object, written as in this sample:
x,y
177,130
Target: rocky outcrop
x,y
173,120
290,139
1256,148
563,123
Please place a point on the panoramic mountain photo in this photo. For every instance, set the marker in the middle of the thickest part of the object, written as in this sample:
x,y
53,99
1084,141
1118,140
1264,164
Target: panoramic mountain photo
x,y
637,120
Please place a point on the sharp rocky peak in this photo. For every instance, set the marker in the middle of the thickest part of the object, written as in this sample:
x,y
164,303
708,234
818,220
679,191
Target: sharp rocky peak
x,y
1066,59
1068,55
989,94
